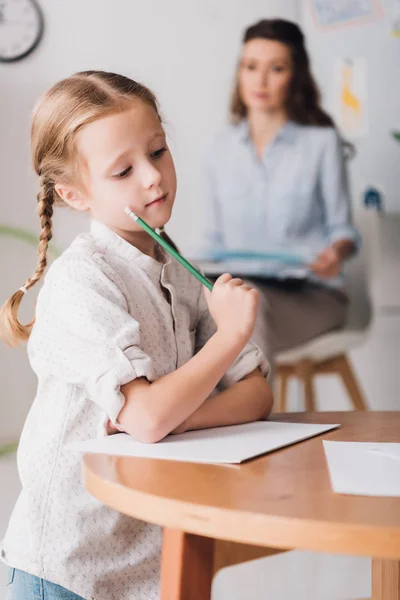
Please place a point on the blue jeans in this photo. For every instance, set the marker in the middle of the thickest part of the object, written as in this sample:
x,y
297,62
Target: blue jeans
x,y
23,586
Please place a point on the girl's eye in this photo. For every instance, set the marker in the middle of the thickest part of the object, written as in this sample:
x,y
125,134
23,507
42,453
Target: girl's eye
x,y
158,153
123,173
250,67
278,69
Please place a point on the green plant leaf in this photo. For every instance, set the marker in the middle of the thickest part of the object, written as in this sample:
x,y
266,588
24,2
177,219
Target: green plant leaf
x,y
396,135
30,238
26,236
8,448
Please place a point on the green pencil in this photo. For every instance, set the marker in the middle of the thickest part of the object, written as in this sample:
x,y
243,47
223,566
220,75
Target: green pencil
x,y
185,263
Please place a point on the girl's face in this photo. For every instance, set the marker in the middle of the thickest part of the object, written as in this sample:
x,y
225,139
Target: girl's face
x,y
265,73
126,162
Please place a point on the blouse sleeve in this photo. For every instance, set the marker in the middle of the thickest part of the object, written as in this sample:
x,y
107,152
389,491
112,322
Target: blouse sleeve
x,y
84,333
335,192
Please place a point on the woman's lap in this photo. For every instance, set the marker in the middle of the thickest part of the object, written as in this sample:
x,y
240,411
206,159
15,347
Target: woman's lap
x,y
289,318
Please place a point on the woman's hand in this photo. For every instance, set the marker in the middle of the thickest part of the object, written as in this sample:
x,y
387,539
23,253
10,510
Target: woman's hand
x,y
327,264
233,306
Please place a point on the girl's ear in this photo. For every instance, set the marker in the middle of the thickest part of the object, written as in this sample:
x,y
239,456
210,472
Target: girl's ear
x,y
71,196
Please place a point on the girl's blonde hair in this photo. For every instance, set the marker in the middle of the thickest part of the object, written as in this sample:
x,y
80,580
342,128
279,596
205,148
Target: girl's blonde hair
x,y
60,114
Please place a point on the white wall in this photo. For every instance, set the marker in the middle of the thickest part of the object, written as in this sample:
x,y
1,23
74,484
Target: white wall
x,y
185,50
376,163
378,154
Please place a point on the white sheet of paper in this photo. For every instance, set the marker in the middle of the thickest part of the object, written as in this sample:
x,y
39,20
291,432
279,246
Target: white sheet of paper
x,y
363,468
232,445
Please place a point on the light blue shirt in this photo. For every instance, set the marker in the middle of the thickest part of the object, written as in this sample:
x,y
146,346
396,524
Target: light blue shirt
x,y
294,198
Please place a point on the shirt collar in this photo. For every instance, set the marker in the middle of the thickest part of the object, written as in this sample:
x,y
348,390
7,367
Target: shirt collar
x,y
114,242
287,132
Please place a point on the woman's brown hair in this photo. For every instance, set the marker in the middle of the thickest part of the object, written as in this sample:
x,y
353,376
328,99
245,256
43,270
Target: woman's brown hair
x,y
304,99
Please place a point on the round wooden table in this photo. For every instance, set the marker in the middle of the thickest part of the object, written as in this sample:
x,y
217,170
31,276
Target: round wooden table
x,y
218,515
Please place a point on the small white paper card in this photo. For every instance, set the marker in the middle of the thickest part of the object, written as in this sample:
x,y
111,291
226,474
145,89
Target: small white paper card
x,y
363,468
231,445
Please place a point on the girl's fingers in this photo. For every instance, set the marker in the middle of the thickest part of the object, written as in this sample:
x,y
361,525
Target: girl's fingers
x,y
224,278
236,281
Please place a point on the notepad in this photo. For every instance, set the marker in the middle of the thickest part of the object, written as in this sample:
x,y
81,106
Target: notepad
x,y
230,445
363,468
273,255
253,268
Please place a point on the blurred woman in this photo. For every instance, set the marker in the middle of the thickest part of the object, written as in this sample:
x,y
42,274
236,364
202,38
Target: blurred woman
x,y
276,179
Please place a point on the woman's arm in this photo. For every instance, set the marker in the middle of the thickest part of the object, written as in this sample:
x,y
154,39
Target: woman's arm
x,y
344,239
246,401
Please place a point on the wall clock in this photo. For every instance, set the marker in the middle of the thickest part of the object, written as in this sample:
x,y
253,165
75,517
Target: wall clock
x,y
21,28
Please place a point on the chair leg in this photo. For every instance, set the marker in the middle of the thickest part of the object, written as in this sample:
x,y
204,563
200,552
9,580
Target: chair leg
x,y
305,371
350,382
283,384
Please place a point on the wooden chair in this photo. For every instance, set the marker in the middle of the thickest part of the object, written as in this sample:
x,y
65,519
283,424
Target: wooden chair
x,y
328,354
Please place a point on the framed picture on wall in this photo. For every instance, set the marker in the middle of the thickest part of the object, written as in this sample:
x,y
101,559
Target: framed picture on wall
x,y
339,13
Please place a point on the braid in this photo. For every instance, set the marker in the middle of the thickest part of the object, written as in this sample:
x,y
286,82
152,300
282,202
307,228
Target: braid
x,y
63,110
45,200
12,331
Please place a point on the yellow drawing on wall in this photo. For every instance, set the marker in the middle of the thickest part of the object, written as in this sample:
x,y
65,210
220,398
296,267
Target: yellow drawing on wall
x,y
351,104
349,96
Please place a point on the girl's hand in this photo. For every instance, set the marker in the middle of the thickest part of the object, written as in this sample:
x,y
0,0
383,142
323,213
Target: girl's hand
x,y
327,264
233,307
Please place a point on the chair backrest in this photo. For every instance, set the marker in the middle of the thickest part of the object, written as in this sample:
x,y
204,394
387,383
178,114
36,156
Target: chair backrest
x,y
386,280
358,273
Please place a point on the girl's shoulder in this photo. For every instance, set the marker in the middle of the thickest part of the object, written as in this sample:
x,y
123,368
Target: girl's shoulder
x,y
83,263
83,251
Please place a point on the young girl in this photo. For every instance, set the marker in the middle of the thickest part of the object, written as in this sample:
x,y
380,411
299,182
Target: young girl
x,y
124,339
